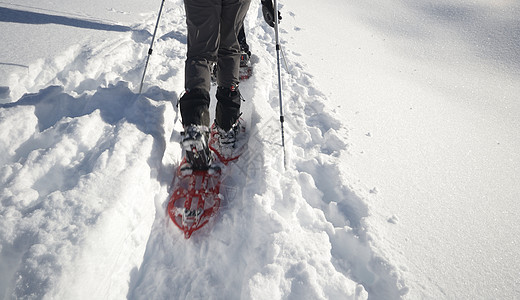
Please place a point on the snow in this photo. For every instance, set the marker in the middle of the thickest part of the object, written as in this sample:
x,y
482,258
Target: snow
x,y
401,138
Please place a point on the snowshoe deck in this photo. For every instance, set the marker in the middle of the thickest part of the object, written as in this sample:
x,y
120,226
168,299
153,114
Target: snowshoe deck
x,y
195,199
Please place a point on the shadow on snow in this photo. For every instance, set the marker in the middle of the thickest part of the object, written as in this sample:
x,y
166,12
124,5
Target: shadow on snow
x,y
28,17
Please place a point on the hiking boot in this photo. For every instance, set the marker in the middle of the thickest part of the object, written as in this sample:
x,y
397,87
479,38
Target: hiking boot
x,y
195,145
194,107
228,106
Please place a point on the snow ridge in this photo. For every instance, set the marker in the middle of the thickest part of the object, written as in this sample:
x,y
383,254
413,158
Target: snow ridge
x,y
87,169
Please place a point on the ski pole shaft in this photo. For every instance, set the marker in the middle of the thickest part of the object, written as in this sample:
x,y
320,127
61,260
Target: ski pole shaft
x,y
151,46
279,78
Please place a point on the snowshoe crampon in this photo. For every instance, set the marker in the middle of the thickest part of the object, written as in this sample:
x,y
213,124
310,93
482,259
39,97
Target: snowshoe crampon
x,y
195,199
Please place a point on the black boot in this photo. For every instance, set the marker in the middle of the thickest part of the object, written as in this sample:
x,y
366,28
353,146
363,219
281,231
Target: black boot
x,y
244,48
228,107
194,105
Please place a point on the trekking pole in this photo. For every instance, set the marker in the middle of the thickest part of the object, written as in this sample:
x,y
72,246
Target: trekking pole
x,y
279,78
151,46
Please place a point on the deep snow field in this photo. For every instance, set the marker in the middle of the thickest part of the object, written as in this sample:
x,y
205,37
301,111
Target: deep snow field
x,y
402,146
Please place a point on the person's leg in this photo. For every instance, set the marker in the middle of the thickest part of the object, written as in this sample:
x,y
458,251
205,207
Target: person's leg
x,y
228,96
203,22
232,18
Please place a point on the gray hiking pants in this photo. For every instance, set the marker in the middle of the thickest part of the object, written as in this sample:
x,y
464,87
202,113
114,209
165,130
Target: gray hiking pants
x,y
213,26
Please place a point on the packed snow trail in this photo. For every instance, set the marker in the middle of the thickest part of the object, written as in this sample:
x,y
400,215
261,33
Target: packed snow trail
x,y
88,165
